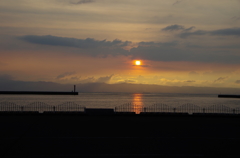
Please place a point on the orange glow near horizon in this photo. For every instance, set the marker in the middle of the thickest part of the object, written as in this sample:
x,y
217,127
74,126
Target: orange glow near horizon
x,y
137,103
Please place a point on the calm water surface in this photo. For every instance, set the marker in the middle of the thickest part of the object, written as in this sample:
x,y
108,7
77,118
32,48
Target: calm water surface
x,y
111,100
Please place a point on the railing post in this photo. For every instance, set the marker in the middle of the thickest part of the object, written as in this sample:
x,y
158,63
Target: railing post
x,y
54,109
204,110
233,111
22,108
144,109
174,110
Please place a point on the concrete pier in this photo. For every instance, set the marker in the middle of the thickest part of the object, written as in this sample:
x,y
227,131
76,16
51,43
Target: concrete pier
x,y
228,96
38,93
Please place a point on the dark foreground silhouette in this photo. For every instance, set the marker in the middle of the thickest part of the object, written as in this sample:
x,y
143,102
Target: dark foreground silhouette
x,y
78,135
38,93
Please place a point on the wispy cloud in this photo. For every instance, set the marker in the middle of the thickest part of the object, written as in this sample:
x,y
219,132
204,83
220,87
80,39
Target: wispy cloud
x,y
177,2
177,27
105,79
220,32
220,79
186,32
73,42
173,27
236,18
81,1
237,81
226,32
66,74
190,81
193,73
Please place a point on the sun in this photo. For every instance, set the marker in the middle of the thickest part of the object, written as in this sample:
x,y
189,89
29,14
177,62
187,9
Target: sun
x,y
138,62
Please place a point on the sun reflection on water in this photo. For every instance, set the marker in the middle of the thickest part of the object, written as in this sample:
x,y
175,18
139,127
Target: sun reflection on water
x,y
137,103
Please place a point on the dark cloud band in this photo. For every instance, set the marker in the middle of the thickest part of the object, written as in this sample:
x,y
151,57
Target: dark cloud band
x,y
186,32
177,27
73,42
81,1
221,32
156,51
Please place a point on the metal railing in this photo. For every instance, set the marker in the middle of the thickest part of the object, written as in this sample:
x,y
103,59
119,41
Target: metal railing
x,y
185,108
41,107
128,107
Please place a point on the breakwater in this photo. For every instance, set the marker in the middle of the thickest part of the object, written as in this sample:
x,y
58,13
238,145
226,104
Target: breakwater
x,y
228,96
38,93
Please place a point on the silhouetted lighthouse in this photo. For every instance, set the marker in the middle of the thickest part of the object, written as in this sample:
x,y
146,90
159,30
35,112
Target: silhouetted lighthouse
x,y
74,89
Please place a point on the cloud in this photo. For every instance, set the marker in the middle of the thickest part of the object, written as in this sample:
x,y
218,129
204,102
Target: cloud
x,y
198,32
173,28
155,51
226,32
177,2
193,73
220,79
237,81
105,79
88,80
142,65
130,81
220,32
66,74
140,77
81,1
186,32
75,78
144,44
126,81
190,28
177,28
147,29
236,18
73,42
190,81
161,52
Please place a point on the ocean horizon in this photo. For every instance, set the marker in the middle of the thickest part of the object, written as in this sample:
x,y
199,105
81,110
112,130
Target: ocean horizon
x,y
112,100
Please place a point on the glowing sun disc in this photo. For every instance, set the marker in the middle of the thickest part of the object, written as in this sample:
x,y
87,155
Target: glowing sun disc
x,y
138,62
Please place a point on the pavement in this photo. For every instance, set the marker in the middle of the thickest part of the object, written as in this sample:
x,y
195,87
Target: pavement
x,y
66,135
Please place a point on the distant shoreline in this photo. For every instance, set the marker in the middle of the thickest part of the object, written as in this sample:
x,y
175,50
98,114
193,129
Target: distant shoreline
x,y
38,93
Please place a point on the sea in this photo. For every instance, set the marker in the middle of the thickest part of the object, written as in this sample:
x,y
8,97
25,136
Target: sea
x,y
112,100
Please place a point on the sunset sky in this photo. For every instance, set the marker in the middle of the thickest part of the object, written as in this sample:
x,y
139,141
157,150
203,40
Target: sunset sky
x,y
178,42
